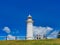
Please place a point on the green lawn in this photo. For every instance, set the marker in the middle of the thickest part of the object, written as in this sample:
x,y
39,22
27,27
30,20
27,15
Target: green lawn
x,y
31,42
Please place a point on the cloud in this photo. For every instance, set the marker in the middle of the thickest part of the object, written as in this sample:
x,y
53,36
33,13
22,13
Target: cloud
x,y
53,35
41,30
10,37
7,29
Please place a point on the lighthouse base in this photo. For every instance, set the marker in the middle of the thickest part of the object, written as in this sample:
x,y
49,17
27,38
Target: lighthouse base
x,y
29,38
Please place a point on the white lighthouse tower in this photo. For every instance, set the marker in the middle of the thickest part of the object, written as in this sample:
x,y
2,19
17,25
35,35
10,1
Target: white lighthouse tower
x,y
29,28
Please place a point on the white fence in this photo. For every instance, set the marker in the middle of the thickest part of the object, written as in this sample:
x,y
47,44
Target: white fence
x,y
21,37
12,38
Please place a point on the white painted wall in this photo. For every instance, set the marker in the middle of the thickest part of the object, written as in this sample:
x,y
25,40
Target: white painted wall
x,y
29,29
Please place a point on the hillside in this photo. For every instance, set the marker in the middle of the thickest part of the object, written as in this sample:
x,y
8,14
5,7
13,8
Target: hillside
x,y
31,42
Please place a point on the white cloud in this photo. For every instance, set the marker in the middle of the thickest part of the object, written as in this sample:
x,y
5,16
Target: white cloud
x,y
7,29
53,35
10,37
42,30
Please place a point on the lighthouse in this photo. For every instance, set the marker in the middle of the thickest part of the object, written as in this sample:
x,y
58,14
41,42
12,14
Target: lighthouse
x,y
29,35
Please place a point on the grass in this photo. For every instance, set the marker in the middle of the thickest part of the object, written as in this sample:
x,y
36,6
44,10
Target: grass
x,y
31,42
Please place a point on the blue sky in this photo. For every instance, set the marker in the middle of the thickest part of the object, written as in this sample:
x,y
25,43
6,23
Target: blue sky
x,y
13,14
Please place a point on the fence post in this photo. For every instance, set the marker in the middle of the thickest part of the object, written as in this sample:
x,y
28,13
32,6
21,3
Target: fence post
x,y
6,37
16,38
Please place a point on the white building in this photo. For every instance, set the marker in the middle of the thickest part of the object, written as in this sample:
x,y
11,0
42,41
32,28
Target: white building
x,y
10,37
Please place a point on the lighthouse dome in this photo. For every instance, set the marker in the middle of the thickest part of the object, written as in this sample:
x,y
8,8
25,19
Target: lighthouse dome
x,y
29,17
